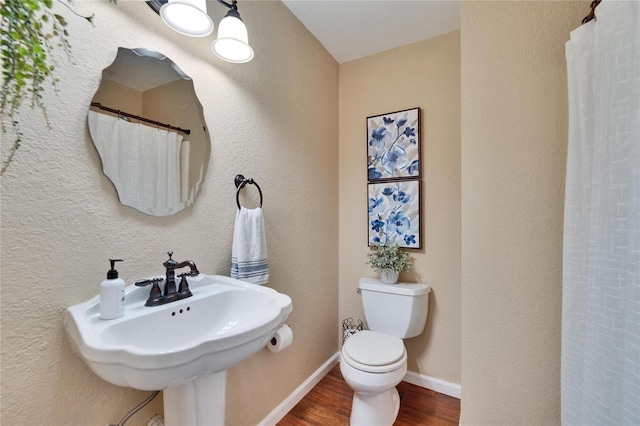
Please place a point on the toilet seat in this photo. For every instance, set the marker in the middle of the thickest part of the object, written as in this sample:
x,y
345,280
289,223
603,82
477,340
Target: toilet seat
x,y
374,352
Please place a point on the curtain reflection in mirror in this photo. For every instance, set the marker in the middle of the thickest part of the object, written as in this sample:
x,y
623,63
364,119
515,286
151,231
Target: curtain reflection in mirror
x,y
144,163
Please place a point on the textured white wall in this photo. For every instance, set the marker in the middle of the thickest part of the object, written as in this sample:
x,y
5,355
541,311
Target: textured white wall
x,y
426,75
274,119
514,139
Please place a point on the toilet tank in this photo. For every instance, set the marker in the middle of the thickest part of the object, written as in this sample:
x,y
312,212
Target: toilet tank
x,y
398,310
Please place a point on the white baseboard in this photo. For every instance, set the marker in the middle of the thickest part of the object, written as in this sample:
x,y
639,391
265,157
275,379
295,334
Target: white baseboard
x,y
296,396
438,385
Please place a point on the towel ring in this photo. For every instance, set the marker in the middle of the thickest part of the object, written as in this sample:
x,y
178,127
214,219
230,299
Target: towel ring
x,y
240,181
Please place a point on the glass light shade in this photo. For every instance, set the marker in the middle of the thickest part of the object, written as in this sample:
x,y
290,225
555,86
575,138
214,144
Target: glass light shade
x,y
188,17
232,44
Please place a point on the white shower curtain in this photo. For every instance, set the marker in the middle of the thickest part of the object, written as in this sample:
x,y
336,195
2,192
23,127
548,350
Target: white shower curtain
x,y
601,265
142,162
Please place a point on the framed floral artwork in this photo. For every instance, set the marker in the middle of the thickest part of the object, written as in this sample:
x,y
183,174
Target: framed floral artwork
x,y
393,145
394,213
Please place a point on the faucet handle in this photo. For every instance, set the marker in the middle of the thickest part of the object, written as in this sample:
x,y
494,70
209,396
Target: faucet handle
x,y
183,288
147,281
155,295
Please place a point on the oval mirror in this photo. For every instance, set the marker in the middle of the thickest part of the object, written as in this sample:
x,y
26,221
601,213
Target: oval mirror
x,y
148,126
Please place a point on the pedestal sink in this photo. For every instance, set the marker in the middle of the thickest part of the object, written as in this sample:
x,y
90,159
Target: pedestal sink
x,y
184,347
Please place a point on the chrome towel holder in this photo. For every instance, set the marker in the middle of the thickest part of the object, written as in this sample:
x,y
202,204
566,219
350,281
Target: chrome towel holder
x,y
240,182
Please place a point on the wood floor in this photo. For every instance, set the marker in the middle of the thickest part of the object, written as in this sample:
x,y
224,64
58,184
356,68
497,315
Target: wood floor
x,y
329,404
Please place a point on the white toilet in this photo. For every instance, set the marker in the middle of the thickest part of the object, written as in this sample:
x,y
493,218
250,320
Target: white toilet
x,y
374,361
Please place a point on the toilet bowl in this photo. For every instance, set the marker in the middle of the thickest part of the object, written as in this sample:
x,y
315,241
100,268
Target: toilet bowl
x,y
374,361
373,364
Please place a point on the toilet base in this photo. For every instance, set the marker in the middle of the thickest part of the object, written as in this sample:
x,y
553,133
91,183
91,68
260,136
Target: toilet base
x,y
375,409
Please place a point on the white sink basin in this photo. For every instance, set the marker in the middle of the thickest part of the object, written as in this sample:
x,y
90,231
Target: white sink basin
x,y
154,348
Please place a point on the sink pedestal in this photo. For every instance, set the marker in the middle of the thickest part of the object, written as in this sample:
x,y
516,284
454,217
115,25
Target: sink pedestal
x,y
198,403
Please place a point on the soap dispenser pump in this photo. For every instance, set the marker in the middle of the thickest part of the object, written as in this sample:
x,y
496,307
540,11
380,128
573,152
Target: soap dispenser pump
x,y
112,294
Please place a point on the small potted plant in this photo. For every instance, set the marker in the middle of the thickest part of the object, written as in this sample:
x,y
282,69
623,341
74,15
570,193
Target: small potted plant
x,y
389,261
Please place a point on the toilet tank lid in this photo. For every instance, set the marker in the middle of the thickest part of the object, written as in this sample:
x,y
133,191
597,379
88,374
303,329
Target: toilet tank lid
x,y
407,289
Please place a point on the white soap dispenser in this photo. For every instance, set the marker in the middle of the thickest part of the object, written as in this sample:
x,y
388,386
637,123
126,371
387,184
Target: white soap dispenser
x,y
112,294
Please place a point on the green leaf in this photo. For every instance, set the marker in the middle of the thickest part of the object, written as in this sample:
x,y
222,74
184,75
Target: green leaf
x,y
28,28
60,19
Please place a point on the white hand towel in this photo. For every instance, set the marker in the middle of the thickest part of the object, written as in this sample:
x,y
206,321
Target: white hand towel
x,y
249,249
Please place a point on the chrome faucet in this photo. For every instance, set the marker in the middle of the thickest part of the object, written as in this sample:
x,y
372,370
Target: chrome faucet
x,y
156,297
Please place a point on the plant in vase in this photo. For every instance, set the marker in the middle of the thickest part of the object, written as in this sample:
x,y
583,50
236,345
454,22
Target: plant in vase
x,y
389,261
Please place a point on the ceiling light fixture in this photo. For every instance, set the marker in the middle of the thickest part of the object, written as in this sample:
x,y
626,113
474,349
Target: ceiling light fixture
x,y
189,17
232,44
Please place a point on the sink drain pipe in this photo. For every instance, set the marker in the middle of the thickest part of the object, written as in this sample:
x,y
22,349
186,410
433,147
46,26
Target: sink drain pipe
x,y
136,409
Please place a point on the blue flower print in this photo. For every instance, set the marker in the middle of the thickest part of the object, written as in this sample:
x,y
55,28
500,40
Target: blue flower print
x,y
398,223
394,213
402,197
392,145
409,131
374,174
379,137
395,158
413,168
376,205
377,225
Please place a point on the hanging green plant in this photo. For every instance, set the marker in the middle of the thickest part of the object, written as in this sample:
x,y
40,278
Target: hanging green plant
x,y
29,31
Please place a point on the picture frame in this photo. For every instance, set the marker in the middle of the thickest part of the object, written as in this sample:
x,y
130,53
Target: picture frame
x,y
393,146
394,213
